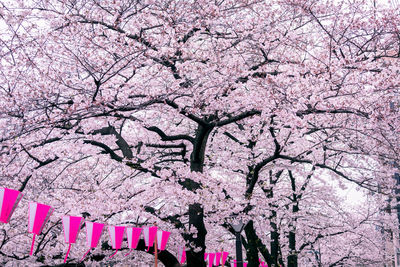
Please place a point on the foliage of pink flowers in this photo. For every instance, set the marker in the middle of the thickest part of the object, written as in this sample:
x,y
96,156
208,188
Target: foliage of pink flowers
x,y
196,114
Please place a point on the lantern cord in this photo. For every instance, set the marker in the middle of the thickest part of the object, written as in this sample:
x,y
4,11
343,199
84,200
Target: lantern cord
x,y
114,253
84,256
130,251
66,256
33,244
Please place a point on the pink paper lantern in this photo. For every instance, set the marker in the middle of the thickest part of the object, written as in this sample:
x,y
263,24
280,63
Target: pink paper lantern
x,y
93,234
149,236
181,255
116,236
209,258
39,214
162,239
9,200
71,226
224,257
133,234
217,259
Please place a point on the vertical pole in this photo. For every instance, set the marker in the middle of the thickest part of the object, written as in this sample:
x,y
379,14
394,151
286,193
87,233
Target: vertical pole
x,y
155,252
155,249
396,238
394,107
220,259
33,244
239,258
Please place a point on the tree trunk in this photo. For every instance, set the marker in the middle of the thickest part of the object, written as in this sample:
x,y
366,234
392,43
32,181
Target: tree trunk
x,y
196,212
251,251
275,249
274,241
292,257
196,219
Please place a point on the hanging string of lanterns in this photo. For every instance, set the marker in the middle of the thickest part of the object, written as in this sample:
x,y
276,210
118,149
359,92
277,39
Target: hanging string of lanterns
x,y
40,213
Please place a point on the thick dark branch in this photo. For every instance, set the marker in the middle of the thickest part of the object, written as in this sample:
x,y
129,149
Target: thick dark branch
x,y
48,141
181,145
47,161
189,184
98,84
31,156
140,168
25,182
131,107
122,144
239,117
167,63
165,137
276,143
259,75
255,244
255,174
233,138
185,113
304,186
310,110
106,149
114,156
188,35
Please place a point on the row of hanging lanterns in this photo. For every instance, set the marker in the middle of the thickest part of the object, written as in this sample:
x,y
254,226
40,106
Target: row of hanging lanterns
x,y
39,214
216,259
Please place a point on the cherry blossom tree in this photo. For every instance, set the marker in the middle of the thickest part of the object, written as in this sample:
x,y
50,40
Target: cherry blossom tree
x,y
193,114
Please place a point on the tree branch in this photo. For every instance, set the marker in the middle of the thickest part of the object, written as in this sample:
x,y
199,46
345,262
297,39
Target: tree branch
x,y
165,137
121,142
239,117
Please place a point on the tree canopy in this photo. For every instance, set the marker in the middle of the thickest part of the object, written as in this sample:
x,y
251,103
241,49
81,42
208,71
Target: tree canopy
x,y
196,114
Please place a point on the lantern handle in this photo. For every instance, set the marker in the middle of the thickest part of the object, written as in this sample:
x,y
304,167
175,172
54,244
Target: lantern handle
x,y
113,254
66,256
129,252
33,244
